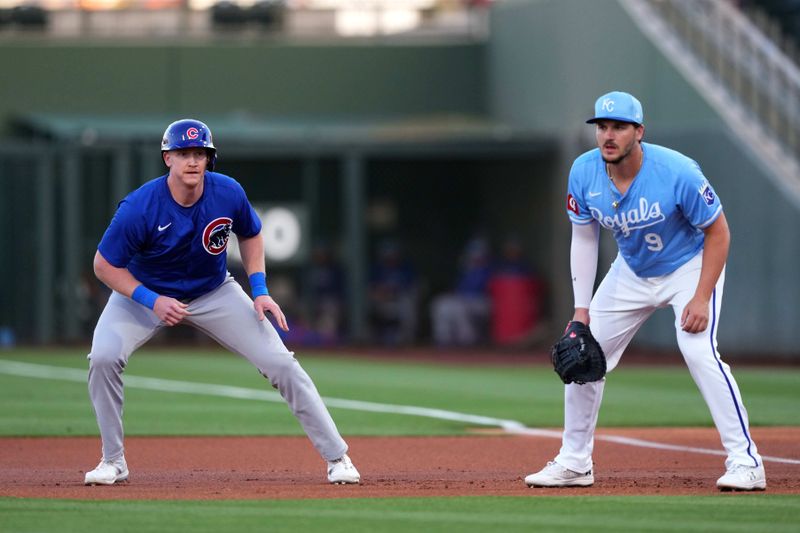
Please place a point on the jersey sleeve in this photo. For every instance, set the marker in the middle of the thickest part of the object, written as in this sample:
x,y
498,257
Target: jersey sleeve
x,y
124,237
246,223
577,211
699,202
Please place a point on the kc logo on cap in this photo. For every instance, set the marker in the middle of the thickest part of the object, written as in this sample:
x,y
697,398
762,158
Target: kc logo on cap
x,y
617,105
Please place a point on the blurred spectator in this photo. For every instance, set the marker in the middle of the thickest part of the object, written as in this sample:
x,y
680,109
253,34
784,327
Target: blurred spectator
x,y
393,294
228,15
326,285
269,14
460,317
29,16
512,261
516,295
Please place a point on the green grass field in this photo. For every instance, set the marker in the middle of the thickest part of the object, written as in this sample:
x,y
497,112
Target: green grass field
x,y
678,514
532,395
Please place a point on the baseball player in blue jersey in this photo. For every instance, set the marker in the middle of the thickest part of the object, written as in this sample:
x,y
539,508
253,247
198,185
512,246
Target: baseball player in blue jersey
x,y
673,242
164,257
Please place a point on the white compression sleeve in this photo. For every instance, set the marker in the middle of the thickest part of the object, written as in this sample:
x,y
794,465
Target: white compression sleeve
x,y
583,261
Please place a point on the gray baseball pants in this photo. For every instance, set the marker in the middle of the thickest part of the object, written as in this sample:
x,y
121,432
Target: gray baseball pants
x,y
226,314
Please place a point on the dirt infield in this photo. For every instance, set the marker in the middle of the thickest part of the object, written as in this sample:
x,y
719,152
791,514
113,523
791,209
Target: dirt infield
x,y
288,467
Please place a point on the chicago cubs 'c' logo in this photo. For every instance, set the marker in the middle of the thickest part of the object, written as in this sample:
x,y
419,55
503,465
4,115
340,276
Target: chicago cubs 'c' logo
x,y
215,236
572,204
192,133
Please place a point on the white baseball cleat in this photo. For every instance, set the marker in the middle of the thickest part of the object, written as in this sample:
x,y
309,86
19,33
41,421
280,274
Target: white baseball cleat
x,y
107,472
555,475
341,471
743,477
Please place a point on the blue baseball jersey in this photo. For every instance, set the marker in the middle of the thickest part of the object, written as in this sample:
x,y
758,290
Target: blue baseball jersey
x,y
174,250
658,222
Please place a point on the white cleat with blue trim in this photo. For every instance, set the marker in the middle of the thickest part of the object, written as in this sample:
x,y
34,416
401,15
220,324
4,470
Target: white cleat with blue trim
x,y
743,477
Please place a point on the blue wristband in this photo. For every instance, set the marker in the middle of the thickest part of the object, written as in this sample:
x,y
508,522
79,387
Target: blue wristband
x,y
258,284
144,296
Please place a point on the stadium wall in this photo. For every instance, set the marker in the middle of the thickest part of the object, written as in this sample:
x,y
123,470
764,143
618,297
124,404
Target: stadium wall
x,y
266,78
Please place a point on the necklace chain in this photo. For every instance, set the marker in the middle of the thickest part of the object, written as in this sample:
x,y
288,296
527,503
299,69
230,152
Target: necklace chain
x,y
615,202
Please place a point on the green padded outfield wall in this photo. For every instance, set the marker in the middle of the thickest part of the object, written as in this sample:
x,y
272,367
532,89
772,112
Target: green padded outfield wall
x,y
550,59
254,77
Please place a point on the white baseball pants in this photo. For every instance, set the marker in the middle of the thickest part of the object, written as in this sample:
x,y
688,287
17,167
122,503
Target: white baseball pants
x,y
620,306
226,314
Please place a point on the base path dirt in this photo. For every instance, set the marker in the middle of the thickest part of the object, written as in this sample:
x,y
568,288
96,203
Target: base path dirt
x,y
288,467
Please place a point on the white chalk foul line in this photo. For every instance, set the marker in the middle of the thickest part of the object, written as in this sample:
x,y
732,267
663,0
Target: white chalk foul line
x,y
29,370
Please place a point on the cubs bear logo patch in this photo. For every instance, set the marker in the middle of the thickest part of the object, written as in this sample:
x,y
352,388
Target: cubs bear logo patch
x,y
216,234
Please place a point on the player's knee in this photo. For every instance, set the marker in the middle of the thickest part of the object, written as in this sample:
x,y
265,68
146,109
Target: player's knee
x,y
106,356
696,349
281,370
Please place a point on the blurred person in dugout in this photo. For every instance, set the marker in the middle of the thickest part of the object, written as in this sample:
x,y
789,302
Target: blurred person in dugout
x,y
515,291
393,295
326,284
460,317
512,260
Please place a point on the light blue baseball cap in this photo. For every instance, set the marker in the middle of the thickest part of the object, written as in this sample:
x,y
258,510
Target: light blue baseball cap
x,y
617,105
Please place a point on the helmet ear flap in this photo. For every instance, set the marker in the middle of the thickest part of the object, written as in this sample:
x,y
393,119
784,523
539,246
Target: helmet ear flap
x,y
212,159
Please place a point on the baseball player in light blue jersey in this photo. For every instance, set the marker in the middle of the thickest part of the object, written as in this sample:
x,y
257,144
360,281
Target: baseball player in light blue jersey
x,y
164,257
673,242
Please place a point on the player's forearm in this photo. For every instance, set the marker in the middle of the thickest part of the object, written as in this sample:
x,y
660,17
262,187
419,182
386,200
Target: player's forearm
x,y
583,262
252,251
715,254
117,279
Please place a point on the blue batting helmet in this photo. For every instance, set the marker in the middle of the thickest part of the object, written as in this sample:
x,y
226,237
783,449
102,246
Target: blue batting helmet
x,y
189,133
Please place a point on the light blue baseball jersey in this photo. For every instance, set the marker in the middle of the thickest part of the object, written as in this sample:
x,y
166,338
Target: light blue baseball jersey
x,y
174,250
659,220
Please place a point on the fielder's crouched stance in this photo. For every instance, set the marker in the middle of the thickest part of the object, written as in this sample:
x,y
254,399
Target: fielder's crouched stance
x,y
673,242
164,256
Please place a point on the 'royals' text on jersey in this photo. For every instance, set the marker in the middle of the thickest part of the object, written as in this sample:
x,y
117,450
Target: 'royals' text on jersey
x,y
659,220
174,250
